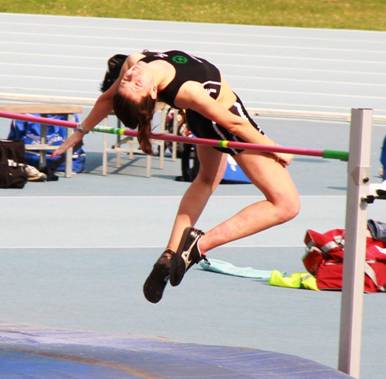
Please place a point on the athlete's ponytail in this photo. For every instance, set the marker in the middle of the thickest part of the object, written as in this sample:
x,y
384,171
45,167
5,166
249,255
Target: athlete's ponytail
x,y
136,115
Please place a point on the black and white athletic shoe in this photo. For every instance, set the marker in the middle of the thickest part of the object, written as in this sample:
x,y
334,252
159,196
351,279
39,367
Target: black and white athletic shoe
x,y
186,256
157,280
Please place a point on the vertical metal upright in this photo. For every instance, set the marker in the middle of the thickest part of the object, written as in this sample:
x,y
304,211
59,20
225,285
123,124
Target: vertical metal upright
x,y
69,152
358,171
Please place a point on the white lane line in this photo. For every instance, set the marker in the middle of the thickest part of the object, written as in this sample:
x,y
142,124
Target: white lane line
x,y
88,68
237,89
246,28
300,69
7,54
45,77
292,93
33,90
249,55
339,49
309,81
249,77
301,106
102,58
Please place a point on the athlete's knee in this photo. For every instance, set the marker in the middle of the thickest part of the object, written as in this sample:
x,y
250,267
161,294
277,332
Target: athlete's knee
x,y
287,208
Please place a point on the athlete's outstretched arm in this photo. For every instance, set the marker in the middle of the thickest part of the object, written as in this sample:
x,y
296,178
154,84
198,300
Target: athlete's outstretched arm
x,y
101,109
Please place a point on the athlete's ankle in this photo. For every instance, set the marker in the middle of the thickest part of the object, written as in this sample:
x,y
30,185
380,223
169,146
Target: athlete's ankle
x,y
201,246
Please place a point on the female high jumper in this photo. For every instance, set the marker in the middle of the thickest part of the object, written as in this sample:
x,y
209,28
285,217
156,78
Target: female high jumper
x,y
213,110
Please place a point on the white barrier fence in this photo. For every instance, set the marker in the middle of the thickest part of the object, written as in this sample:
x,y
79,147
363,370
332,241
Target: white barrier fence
x,y
261,112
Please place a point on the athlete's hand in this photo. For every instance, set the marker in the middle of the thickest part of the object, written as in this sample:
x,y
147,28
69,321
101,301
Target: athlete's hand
x,y
73,140
283,158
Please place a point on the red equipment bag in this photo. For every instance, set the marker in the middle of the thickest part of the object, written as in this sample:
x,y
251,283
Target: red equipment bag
x,y
324,259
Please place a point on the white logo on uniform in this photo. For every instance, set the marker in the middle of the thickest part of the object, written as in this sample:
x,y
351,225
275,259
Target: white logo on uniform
x,y
161,55
211,86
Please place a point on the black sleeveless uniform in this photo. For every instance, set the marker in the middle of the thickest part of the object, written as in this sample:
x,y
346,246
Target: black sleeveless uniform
x,y
192,68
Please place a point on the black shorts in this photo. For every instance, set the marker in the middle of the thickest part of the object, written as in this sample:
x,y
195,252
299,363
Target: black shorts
x,y
203,128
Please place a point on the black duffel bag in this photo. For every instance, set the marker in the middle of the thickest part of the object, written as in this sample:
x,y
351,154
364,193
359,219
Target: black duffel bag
x,y
12,173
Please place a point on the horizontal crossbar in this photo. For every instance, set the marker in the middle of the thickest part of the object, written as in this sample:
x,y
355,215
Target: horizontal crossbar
x,y
326,153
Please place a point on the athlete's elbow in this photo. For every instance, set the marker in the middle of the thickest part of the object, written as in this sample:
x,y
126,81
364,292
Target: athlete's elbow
x,y
234,127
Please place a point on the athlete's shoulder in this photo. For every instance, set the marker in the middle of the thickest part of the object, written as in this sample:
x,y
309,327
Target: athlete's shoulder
x,y
134,58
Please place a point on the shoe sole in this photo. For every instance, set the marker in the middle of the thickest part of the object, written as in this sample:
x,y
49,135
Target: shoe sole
x,y
155,284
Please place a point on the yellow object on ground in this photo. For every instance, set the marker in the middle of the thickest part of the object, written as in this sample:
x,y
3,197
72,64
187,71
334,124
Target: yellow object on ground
x,y
296,280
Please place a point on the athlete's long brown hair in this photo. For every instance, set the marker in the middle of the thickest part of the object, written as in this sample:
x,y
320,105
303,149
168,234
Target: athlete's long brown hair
x,y
136,114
